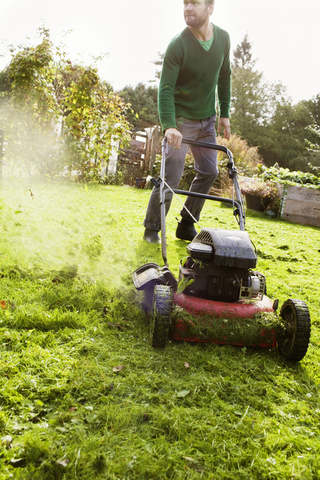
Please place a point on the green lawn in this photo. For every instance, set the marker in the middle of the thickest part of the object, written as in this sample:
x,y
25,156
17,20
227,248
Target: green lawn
x,y
69,318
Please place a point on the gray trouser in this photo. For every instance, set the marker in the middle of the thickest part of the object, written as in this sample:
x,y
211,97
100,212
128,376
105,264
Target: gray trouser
x,y
205,163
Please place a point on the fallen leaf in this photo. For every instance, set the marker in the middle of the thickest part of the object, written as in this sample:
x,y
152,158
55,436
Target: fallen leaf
x,y
186,365
63,461
118,368
3,304
183,393
18,462
189,459
7,441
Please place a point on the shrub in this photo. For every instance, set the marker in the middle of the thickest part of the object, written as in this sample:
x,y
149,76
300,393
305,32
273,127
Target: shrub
x,y
285,176
257,187
246,159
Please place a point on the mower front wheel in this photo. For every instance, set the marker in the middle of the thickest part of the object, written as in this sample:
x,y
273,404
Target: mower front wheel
x,y
160,318
294,341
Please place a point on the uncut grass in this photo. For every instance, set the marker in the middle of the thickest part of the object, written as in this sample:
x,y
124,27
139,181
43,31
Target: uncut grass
x,y
70,317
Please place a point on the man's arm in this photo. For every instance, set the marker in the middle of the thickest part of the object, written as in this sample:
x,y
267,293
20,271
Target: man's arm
x,y
168,80
224,94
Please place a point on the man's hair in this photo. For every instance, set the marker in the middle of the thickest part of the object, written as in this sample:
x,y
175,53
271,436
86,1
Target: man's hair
x,y
209,1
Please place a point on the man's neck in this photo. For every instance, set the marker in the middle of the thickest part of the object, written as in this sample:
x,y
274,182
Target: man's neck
x,y
204,33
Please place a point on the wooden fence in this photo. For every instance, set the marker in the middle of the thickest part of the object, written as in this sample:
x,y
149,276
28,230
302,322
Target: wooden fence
x,y
136,161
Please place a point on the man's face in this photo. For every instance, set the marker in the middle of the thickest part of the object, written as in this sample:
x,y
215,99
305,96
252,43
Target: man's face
x,y
196,12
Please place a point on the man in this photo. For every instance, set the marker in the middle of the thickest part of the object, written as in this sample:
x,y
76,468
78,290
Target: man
x,y
195,63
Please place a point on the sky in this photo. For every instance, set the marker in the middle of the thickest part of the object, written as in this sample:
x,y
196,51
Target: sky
x,y
284,35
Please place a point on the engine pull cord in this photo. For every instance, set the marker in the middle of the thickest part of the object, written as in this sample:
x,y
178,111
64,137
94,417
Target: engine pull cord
x,y
182,204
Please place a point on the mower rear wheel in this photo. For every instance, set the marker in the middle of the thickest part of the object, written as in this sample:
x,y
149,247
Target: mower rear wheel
x,y
160,319
293,344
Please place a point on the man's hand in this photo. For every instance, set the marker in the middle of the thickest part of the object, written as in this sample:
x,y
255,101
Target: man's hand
x,y
174,137
224,124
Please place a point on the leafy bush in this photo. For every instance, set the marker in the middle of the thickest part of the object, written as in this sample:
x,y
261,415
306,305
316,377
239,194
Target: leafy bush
x,y
246,160
56,114
113,179
285,176
258,187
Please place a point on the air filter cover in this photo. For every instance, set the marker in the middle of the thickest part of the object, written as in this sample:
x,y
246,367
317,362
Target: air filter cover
x,y
231,248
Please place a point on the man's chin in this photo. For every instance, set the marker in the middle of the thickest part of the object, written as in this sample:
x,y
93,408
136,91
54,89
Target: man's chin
x,y
193,22
190,20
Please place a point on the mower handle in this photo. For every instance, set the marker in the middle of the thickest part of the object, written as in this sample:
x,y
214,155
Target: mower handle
x,y
213,146
196,143
232,174
230,201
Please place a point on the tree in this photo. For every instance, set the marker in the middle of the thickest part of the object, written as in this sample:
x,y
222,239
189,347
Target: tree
x,y
94,118
313,106
29,111
57,114
143,103
253,100
285,137
314,148
315,129
158,63
264,115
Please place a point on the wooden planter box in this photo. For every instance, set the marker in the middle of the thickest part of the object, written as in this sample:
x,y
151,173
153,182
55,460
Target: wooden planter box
x,y
301,205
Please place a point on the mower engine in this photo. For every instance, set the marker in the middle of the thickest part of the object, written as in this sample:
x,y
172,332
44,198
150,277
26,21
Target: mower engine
x,y
220,267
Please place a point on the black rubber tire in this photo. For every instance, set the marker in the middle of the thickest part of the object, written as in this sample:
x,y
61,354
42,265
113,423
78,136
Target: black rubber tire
x,y
160,319
294,342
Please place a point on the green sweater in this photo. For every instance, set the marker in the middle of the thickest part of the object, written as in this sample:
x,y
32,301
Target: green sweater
x,y
189,78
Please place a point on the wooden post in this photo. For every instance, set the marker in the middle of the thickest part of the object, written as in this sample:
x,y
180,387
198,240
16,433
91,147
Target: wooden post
x,y
155,145
1,152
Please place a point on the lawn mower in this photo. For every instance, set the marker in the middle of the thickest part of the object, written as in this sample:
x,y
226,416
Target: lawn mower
x,y
219,296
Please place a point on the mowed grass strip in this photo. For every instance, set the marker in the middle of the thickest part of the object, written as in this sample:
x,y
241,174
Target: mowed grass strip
x,y
82,393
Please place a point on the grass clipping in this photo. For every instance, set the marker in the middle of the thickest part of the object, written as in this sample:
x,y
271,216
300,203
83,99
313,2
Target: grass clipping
x,y
262,329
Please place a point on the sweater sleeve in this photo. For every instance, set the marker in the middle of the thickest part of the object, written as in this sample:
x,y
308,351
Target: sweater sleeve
x,y
224,84
168,80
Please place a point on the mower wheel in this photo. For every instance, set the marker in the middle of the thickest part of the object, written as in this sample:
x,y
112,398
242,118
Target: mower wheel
x,y
294,342
160,319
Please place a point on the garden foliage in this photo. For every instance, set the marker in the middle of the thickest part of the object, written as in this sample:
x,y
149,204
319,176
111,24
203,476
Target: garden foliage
x,y
280,175
246,160
57,114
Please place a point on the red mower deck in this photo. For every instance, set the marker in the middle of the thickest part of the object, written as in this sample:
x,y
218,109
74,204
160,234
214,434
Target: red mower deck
x,y
207,312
